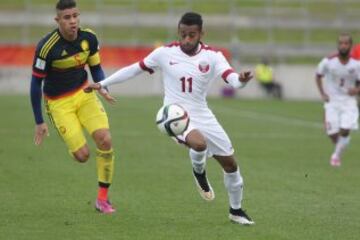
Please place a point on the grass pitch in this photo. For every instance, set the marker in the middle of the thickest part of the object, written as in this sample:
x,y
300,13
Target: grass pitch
x,y
290,189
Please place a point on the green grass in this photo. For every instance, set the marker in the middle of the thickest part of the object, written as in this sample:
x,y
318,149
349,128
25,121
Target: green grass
x,y
290,190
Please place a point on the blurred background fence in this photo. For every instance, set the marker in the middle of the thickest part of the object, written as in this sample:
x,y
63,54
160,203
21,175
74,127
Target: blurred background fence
x,y
286,31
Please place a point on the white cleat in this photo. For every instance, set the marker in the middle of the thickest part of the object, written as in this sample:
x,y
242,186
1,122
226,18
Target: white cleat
x,y
240,217
203,186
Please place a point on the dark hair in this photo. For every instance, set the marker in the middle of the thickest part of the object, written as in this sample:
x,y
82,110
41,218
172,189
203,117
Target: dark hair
x,y
65,4
345,34
191,18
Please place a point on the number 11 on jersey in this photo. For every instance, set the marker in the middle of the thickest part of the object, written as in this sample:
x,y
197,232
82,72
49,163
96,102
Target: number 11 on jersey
x,y
186,82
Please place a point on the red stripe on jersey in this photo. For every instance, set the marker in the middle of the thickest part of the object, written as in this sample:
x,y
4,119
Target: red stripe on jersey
x,y
145,68
226,74
39,75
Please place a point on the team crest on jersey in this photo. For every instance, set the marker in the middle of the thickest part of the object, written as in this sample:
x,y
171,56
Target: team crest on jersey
x,y
84,45
204,66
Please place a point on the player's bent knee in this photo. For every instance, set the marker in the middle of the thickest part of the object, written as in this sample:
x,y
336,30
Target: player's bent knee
x,y
344,132
105,142
230,167
103,139
199,146
82,155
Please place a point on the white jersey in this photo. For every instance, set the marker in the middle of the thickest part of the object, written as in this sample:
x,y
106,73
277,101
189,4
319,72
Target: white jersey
x,y
187,79
339,78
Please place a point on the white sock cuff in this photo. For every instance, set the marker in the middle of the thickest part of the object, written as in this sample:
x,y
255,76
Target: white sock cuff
x,y
233,178
198,156
344,140
232,174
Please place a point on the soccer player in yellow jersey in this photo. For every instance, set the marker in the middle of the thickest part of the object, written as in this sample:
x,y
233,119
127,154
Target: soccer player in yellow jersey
x,y
59,63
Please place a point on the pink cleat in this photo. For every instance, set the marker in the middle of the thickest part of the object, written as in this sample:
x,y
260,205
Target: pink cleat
x,y
335,161
104,206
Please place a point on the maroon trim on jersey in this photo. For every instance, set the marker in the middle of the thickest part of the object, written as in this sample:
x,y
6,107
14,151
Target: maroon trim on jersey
x,y
173,44
226,74
333,55
336,54
145,68
202,47
39,75
207,47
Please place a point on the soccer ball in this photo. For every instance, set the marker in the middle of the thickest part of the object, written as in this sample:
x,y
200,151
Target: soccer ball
x,y
172,119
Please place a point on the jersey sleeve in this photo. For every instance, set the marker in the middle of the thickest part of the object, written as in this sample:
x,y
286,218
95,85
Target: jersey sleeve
x,y
40,65
151,61
94,56
322,67
358,71
222,66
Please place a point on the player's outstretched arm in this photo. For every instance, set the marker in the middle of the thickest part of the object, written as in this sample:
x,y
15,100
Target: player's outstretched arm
x,y
98,75
239,80
102,91
120,76
245,76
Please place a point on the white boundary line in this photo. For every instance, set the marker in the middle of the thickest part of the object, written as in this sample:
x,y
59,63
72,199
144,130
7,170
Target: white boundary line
x,y
260,116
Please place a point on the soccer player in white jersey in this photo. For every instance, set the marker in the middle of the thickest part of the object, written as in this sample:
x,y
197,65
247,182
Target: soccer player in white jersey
x,y
337,79
188,68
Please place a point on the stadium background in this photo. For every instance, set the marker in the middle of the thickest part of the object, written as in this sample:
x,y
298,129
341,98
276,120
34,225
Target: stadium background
x,y
294,34
290,190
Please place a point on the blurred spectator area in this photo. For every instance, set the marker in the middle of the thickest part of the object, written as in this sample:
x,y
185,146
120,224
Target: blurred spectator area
x,y
285,30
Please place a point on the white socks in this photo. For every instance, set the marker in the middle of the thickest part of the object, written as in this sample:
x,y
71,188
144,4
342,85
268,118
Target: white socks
x,y
198,160
234,184
341,145
233,181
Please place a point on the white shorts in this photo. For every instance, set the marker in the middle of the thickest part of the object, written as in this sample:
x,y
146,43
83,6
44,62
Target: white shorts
x,y
341,115
218,142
